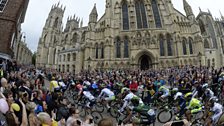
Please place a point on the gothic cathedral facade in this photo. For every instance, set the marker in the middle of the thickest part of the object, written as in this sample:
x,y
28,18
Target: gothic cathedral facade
x,y
131,34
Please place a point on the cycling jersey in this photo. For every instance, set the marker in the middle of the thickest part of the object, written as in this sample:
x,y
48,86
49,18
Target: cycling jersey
x,y
165,91
88,95
79,87
127,98
54,85
217,110
108,93
209,93
195,105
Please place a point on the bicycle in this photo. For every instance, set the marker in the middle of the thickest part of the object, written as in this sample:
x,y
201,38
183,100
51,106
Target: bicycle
x,y
84,111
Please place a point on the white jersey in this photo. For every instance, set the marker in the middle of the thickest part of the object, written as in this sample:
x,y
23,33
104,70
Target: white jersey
x,y
88,95
217,110
129,96
209,93
106,92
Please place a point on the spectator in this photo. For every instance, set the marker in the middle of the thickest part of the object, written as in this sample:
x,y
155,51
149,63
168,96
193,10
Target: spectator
x,y
63,110
46,120
106,122
33,121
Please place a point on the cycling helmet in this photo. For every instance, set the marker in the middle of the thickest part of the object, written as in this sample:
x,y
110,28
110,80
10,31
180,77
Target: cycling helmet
x,y
158,84
85,88
196,82
178,94
213,99
87,83
124,90
94,86
204,86
135,100
175,89
188,95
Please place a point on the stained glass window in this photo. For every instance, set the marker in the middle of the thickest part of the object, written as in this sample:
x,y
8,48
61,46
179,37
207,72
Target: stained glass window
x,y
169,45
184,47
125,16
191,46
126,50
212,33
161,45
141,15
156,14
118,48
97,48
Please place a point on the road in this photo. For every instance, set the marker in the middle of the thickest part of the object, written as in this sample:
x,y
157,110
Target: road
x,y
104,114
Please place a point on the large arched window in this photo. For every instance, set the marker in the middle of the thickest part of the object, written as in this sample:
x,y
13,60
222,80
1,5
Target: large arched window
x,y
75,38
56,22
202,27
3,4
97,49
125,15
102,51
184,46
206,44
126,50
209,62
212,33
118,47
190,45
141,14
222,44
66,38
161,45
155,10
169,45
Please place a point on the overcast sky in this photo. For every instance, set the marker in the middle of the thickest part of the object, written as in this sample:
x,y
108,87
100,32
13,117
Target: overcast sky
x,y
38,10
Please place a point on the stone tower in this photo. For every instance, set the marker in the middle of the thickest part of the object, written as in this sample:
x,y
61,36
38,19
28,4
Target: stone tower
x,y
93,17
188,11
50,37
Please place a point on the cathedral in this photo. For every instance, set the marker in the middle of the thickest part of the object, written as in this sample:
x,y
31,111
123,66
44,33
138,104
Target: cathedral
x,y
137,34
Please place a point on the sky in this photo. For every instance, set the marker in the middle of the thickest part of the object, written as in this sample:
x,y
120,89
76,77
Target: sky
x,y
38,10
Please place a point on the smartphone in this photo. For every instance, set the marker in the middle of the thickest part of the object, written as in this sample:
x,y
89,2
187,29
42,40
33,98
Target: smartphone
x,y
78,122
90,121
179,123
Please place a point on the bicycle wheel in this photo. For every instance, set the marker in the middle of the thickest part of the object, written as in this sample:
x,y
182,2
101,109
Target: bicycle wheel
x,y
82,110
96,116
198,122
114,111
164,116
99,107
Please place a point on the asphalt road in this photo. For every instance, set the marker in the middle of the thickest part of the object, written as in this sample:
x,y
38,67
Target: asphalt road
x,y
105,114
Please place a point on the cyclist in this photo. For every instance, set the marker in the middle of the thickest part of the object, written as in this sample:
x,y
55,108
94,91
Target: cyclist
x,y
193,105
197,91
87,94
216,110
139,107
179,98
108,95
54,87
208,93
163,91
62,85
128,96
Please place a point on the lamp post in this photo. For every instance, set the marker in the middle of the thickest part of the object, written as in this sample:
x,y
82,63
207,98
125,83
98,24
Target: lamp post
x,y
199,57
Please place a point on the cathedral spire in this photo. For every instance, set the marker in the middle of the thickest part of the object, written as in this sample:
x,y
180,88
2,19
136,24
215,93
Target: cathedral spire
x,y
187,8
221,15
93,15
